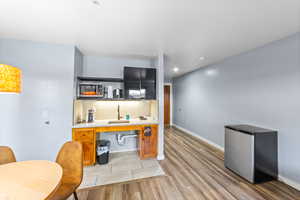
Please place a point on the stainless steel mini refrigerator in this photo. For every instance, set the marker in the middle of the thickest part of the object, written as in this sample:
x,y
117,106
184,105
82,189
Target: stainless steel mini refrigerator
x,y
251,152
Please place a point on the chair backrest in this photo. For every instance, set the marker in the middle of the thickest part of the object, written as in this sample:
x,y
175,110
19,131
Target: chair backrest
x,y
6,155
70,157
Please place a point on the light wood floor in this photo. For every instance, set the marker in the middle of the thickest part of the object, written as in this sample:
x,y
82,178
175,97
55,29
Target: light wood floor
x,y
195,170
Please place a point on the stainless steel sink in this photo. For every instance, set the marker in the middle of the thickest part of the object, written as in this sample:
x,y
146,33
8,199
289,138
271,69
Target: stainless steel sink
x,y
118,121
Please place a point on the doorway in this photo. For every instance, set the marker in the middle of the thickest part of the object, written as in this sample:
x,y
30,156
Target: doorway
x,y
167,107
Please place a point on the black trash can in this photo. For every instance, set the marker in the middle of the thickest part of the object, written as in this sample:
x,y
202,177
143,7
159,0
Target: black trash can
x,y
103,151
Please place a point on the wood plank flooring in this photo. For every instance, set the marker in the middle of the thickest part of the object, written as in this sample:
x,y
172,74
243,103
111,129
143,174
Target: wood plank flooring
x,y
195,171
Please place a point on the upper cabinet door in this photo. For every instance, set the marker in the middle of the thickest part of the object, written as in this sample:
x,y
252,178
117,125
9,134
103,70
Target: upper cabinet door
x,y
132,82
148,82
140,83
132,74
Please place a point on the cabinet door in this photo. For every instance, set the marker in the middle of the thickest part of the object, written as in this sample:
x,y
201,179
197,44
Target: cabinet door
x,y
87,138
148,142
88,153
148,82
132,82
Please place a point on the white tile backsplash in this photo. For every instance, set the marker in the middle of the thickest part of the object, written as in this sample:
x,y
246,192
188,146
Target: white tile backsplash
x,y
108,109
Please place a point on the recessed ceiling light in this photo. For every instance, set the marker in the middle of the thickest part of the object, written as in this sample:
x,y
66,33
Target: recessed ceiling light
x,y
175,69
202,58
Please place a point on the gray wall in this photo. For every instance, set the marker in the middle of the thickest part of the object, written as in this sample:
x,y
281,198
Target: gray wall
x,y
261,87
47,82
167,79
111,67
78,68
78,62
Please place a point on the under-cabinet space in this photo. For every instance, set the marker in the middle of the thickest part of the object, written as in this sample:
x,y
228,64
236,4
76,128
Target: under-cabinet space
x,y
146,139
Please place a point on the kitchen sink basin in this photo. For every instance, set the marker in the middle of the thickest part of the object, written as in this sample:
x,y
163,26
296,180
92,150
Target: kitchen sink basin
x,y
118,121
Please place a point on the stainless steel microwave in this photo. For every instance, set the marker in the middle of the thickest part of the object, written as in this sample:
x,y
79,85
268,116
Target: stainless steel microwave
x,y
90,89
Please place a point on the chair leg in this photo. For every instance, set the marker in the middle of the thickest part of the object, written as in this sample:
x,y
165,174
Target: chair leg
x,y
75,195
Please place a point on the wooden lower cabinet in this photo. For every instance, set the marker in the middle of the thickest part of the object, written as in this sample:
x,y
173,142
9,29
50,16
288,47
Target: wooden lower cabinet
x,y
87,137
88,153
147,141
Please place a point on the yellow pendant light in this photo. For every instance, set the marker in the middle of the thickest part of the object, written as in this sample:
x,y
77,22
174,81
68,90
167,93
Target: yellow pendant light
x,y
10,79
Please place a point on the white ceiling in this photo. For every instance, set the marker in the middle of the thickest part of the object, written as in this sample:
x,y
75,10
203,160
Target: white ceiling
x,y
184,30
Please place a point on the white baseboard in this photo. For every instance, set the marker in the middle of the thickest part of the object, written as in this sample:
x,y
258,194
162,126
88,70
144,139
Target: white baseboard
x,y
199,137
289,182
161,157
280,178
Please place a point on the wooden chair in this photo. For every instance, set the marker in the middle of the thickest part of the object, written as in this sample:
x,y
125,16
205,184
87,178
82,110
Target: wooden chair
x,y
6,155
70,157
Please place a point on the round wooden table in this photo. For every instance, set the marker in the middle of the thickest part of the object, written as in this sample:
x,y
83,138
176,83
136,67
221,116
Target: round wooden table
x,y
29,180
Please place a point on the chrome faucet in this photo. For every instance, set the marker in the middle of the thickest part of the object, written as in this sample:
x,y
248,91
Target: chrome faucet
x,y
119,116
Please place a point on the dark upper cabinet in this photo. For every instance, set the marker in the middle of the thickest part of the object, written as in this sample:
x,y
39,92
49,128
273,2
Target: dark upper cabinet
x,y
132,74
140,83
132,77
148,82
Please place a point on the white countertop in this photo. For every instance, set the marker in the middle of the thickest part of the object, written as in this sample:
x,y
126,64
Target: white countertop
x,y
104,123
